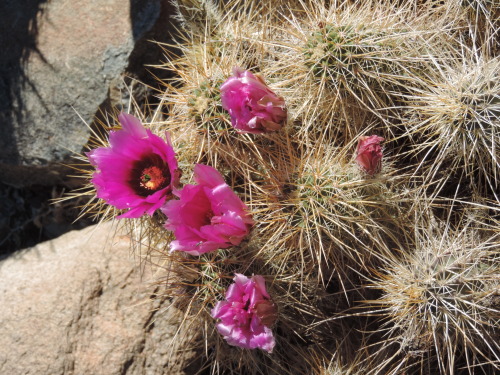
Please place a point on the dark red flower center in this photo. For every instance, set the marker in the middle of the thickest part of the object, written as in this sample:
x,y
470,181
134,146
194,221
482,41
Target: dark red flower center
x,y
207,219
149,174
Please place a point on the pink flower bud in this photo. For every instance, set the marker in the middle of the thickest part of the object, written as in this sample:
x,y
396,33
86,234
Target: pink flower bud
x,y
369,153
247,314
208,216
253,107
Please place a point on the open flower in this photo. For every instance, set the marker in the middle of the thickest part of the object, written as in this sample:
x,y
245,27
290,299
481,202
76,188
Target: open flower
x,y
369,153
207,216
247,314
138,170
253,107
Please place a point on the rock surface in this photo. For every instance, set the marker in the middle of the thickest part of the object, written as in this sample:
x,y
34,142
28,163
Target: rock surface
x,y
80,304
60,61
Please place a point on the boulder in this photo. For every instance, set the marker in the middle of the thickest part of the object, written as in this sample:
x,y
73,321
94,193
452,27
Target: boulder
x,y
81,304
60,61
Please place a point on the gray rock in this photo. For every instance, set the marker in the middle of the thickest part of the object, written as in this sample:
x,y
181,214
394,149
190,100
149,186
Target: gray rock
x,y
61,60
80,304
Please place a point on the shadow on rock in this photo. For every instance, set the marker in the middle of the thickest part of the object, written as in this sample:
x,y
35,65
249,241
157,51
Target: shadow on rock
x,y
19,21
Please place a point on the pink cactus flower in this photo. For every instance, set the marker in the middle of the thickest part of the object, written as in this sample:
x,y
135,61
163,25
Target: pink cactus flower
x,y
253,107
247,314
369,153
138,171
208,216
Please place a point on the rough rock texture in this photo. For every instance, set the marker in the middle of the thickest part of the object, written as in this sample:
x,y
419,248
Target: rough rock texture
x,y
60,60
78,305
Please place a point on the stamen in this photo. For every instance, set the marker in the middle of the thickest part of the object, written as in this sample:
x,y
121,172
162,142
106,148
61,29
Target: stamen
x,y
149,175
152,178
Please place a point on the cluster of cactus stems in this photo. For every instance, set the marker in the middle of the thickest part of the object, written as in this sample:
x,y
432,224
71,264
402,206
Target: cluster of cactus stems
x,y
384,268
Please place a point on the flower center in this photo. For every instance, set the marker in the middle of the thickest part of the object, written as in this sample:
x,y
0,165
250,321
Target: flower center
x,y
149,175
152,178
207,219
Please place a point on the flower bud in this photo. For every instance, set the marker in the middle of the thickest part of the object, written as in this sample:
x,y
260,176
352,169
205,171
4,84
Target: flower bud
x,y
369,154
253,107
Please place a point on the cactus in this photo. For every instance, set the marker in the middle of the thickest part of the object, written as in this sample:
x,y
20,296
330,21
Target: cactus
x,y
355,57
322,225
331,203
460,118
345,53
437,300
206,108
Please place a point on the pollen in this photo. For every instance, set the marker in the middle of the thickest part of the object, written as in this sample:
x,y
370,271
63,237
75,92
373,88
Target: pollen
x,y
152,178
149,174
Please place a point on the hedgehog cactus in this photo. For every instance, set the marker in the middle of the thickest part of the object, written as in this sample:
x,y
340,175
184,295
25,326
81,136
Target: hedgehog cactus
x,y
344,52
333,201
460,118
206,108
304,203
437,300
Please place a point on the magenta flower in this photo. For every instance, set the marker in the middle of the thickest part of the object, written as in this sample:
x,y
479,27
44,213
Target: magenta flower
x,y
138,170
369,153
208,216
247,314
253,107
